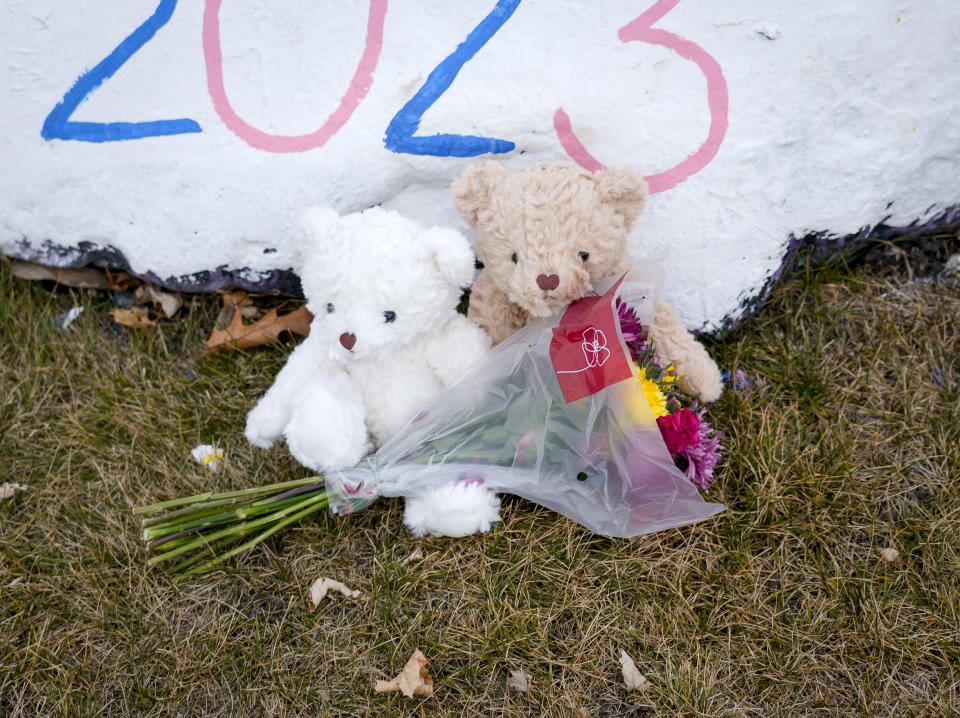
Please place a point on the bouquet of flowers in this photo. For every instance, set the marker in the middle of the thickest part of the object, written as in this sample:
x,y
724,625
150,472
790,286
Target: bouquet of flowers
x,y
574,412
690,440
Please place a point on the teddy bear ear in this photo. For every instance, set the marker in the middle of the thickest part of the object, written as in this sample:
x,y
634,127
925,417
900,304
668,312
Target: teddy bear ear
x,y
471,191
452,253
625,189
317,225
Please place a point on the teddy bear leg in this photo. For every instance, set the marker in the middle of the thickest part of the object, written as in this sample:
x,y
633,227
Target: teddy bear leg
x,y
327,429
699,374
456,509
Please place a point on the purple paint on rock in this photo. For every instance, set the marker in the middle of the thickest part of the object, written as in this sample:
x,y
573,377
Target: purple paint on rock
x,y
824,246
819,247
278,281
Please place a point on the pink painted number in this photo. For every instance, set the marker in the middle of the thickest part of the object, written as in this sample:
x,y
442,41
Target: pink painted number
x,y
641,30
359,86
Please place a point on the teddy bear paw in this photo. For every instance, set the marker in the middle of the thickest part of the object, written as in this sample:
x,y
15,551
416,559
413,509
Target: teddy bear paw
x,y
458,509
263,427
704,382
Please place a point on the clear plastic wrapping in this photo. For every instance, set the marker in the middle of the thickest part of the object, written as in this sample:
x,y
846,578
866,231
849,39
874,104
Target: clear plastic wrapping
x,y
546,415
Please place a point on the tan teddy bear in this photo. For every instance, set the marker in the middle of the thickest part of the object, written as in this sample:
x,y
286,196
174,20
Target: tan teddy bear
x,y
545,235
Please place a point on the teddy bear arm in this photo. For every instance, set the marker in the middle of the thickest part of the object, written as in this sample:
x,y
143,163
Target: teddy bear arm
x,y
266,421
698,373
492,310
460,344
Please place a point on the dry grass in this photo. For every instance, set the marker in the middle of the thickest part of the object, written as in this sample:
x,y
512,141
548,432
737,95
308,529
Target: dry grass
x,y
848,442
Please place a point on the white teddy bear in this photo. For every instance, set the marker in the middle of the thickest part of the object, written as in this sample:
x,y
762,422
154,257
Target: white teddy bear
x,y
385,338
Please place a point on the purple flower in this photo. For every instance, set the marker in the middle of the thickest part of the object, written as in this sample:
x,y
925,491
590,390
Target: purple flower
x,y
702,457
739,381
630,326
632,330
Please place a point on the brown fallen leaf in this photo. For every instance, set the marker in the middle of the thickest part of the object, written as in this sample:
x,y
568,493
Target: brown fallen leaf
x,y
150,294
83,277
236,298
518,681
121,281
264,331
414,680
233,301
320,587
136,317
632,678
9,488
226,315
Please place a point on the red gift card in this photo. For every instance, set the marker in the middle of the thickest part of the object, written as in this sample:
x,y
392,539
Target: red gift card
x,y
586,351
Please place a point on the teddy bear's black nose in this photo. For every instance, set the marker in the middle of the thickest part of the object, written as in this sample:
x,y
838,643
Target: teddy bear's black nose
x,y
348,339
547,283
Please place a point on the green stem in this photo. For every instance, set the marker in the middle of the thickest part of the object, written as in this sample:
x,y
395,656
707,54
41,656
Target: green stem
x,y
208,497
254,541
179,541
206,551
189,512
243,512
210,508
236,528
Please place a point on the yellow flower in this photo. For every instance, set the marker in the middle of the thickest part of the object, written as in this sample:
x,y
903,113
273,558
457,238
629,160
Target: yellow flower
x,y
655,397
670,377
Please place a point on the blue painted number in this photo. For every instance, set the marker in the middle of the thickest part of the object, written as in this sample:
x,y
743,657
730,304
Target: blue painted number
x,y
399,136
58,125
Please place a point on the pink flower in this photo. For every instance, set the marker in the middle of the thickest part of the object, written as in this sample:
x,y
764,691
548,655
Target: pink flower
x,y
680,430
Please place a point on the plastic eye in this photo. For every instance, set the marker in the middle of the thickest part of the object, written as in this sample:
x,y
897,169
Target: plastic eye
x,y
514,258
330,309
389,316
584,255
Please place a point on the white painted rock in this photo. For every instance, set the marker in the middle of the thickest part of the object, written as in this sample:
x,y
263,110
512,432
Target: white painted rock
x,y
185,139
